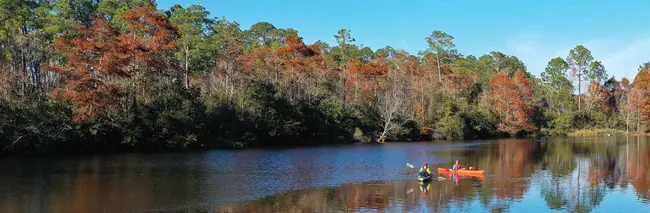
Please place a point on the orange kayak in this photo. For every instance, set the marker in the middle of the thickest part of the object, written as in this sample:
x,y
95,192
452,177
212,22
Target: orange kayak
x,y
460,172
463,176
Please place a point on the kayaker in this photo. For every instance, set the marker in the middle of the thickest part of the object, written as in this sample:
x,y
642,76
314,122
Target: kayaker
x,y
424,170
456,166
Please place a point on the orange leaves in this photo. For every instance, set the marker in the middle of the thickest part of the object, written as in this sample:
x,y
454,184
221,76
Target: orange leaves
x,y
367,70
297,56
149,33
642,95
263,59
511,97
601,97
100,57
364,77
297,69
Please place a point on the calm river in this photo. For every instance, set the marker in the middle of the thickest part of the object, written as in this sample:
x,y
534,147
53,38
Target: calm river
x,y
521,175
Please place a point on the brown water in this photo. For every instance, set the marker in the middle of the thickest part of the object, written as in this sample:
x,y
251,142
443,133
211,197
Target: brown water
x,y
559,174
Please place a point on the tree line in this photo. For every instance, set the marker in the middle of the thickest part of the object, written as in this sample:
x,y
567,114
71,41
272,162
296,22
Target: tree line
x,y
79,76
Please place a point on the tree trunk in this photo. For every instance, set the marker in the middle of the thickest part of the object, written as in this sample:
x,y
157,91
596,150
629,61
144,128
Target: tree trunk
x,y
187,68
579,90
383,133
627,121
638,120
344,89
23,59
439,70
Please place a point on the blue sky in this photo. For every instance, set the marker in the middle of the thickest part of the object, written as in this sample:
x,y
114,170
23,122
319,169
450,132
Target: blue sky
x,y
616,32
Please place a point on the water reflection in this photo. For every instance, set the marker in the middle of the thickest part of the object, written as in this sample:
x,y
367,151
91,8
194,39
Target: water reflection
x,y
566,174
563,174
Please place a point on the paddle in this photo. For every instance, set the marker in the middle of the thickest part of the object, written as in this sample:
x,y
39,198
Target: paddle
x,y
413,167
410,166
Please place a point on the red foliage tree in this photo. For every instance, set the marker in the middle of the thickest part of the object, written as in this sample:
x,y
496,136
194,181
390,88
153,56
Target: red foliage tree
x,y
511,97
100,60
298,57
642,95
364,77
295,67
262,62
599,97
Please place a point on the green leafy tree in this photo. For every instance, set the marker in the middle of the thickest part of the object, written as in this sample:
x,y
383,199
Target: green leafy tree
x,y
113,10
264,34
226,43
345,49
584,68
597,72
442,45
192,24
559,88
15,18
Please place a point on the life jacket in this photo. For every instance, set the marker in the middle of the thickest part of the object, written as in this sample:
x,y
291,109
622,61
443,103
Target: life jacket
x,y
424,171
456,166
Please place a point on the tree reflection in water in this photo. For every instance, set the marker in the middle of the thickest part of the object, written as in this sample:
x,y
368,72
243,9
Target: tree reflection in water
x,y
568,174
609,174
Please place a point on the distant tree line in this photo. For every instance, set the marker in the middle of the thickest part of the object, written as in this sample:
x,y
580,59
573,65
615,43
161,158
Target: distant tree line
x,y
79,76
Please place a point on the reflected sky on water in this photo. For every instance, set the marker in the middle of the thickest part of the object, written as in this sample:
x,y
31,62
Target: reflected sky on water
x,y
569,174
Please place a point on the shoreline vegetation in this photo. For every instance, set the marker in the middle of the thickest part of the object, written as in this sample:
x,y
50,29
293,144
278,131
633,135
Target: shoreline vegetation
x,y
125,76
602,132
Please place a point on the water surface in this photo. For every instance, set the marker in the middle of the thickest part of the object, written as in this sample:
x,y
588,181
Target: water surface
x,y
569,174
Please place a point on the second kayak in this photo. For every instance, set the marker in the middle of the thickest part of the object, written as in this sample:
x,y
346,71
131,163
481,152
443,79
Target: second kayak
x,y
460,172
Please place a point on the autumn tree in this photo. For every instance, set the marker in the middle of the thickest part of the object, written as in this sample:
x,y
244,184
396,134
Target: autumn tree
x,y
302,65
104,67
636,96
293,67
599,98
510,97
642,92
363,79
86,68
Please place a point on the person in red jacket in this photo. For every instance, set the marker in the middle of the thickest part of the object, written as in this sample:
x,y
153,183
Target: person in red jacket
x,y
456,166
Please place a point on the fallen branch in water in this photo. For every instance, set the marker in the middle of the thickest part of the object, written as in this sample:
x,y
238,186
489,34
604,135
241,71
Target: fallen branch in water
x,y
13,143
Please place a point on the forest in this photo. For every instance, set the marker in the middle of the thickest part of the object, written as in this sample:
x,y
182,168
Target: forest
x,y
88,76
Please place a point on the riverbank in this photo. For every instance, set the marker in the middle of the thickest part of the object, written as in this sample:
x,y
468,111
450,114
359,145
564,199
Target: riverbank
x,y
600,132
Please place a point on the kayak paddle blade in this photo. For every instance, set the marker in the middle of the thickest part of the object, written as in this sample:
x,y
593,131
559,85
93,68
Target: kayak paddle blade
x,y
409,165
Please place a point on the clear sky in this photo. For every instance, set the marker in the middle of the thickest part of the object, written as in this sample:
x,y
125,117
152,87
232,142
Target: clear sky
x,y
616,32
